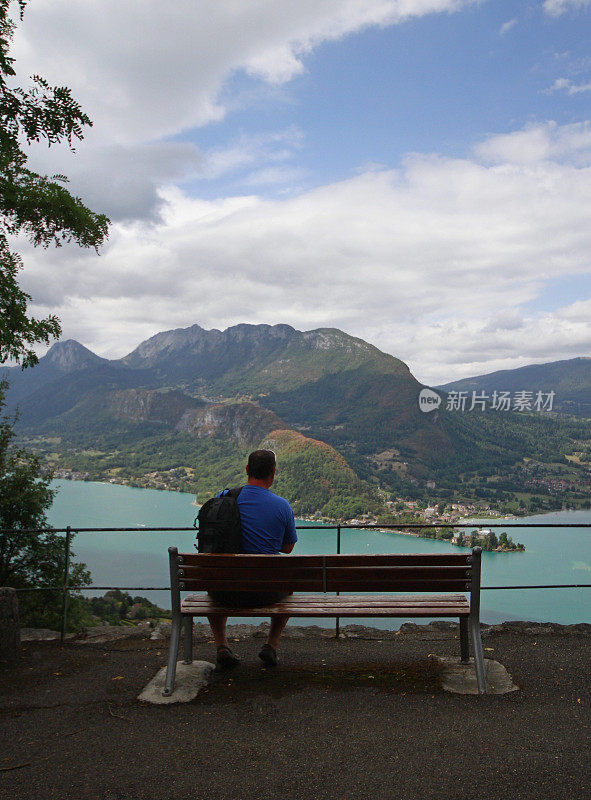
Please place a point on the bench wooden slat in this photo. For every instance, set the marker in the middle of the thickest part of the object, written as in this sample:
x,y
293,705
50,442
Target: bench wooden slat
x,y
400,559
359,584
387,613
335,610
367,573
255,573
449,605
343,559
307,585
371,572
247,585
331,609
197,599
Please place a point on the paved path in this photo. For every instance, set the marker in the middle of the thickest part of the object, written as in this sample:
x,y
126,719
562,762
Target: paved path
x,y
319,727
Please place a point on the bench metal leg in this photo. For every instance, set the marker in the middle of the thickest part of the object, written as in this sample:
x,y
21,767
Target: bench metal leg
x,y
188,643
173,652
478,655
464,640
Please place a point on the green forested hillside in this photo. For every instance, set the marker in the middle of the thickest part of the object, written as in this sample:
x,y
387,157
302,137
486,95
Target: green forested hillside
x,y
314,477
311,474
174,461
364,410
183,409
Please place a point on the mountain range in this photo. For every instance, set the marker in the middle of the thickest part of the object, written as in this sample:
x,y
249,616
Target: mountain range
x,y
343,415
569,379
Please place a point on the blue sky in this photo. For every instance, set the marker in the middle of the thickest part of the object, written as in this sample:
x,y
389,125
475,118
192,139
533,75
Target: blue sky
x,y
415,172
434,84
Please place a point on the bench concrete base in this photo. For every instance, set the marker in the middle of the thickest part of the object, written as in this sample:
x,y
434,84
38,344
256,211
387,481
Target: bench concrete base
x,y
461,678
190,679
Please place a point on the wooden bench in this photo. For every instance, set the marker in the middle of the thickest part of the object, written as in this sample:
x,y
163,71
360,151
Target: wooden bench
x,y
425,572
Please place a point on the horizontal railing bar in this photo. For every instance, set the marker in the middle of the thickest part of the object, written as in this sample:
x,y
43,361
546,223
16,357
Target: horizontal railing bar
x,y
167,588
470,525
368,526
95,530
544,586
102,588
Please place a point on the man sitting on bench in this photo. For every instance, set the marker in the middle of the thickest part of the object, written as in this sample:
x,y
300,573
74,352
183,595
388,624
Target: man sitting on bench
x,y
267,526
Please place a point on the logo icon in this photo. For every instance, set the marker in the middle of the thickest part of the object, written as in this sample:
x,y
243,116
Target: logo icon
x,y
429,400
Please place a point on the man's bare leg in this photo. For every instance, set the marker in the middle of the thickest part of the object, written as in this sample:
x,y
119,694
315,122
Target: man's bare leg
x,y
225,658
218,628
275,631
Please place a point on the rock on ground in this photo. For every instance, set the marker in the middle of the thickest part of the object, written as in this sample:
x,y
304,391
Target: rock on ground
x,y
437,629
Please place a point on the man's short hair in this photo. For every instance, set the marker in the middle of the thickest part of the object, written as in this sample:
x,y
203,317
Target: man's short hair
x,y
261,464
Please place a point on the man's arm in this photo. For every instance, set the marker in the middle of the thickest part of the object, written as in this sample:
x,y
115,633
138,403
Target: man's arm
x,y
290,536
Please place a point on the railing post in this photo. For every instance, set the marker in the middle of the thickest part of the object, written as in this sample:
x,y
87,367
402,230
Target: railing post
x,y
338,621
65,590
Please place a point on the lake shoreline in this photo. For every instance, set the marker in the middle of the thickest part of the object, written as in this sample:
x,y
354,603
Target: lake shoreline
x,y
139,558
326,522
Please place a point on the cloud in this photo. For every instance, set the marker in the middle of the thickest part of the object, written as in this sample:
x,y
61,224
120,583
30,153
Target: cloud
x,y
248,151
122,181
147,71
464,347
272,176
557,7
507,26
540,142
145,75
432,262
568,86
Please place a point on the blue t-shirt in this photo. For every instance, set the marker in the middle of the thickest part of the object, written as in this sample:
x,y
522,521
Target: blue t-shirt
x,y
266,520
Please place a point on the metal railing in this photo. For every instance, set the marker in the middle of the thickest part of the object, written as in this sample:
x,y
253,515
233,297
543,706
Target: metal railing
x,y
69,532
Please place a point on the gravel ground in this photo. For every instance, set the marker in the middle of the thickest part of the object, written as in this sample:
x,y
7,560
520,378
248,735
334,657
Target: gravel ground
x,y
354,718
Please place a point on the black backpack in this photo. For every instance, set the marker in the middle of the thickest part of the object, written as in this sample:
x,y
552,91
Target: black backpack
x,y
219,524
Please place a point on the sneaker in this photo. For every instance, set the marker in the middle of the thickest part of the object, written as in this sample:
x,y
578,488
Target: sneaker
x,y
268,655
226,659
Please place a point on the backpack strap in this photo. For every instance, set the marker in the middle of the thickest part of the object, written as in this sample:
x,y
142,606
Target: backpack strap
x,y
233,492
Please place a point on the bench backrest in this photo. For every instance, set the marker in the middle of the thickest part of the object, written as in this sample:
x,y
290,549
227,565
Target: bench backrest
x,y
424,572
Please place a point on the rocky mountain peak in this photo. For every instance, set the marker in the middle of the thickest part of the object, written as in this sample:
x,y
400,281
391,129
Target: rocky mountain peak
x,y
169,341
254,333
70,355
197,341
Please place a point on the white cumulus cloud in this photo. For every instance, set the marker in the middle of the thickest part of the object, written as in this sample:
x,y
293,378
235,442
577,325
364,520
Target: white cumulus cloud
x,y
438,262
540,142
147,70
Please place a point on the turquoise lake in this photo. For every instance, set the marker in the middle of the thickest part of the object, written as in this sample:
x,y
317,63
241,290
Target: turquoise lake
x,y
141,558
